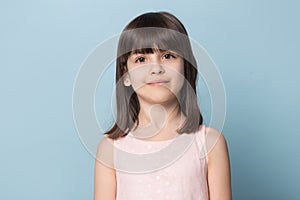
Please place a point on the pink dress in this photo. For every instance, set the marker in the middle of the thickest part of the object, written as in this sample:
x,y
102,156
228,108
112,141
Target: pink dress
x,y
171,169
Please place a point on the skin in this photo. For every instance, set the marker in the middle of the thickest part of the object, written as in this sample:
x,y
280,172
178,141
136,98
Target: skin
x,y
157,79
143,72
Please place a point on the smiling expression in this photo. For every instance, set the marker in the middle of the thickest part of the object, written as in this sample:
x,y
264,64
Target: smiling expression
x,y
155,77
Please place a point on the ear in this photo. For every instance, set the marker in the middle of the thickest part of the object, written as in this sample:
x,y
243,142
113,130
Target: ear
x,y
127,81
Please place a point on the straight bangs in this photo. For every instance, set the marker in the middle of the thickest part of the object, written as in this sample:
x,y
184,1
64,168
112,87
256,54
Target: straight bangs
x,y
150,40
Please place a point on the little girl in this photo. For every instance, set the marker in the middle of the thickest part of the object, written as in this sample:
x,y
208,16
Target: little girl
x,y
158,147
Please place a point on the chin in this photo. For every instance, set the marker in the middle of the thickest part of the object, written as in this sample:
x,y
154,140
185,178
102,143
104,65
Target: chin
x,y
161,99
157,96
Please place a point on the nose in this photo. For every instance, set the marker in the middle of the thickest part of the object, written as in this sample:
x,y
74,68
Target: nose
x,y
156,67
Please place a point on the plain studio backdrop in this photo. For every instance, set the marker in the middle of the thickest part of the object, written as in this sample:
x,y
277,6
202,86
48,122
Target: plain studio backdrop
x,y
254,44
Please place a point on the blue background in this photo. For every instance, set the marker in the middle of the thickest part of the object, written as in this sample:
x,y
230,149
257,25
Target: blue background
x,y
255,45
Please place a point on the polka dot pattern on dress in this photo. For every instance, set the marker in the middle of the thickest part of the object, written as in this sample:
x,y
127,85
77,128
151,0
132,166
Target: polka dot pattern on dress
x,y
185,179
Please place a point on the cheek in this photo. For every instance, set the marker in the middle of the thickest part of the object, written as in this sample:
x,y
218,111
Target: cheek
x,y
177,71
179,82
179,66
180,75
137,77
177,74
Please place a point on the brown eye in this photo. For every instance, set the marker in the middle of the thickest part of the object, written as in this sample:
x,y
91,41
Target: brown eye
x,y
140,59
168,56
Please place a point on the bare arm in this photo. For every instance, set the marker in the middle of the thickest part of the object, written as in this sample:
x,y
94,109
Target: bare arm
x,y
104,174
218,166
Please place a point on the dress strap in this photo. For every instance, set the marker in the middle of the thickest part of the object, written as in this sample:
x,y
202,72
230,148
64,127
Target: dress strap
x,y
200,136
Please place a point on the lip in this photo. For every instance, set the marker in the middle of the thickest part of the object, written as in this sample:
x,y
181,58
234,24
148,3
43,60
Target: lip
x,y
158,82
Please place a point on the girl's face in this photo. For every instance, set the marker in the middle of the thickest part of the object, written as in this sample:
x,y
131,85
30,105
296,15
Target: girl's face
x,y
155,77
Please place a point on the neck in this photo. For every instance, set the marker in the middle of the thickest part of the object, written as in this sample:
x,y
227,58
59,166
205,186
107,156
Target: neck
x,y
159,121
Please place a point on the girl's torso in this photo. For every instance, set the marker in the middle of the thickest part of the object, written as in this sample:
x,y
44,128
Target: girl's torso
x,y
172,169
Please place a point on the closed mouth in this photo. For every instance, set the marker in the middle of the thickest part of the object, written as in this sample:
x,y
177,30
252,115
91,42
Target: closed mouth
x,y
158,82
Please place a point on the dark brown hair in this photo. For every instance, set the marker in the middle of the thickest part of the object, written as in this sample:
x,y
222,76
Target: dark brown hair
x,y
144,34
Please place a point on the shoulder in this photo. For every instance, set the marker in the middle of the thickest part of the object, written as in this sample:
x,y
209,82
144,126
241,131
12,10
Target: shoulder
x,y
105,143
215,142
105,140
105,151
